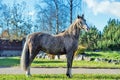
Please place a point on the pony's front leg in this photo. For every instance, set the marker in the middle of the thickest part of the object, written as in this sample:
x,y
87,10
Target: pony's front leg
x,y
69,64
28,72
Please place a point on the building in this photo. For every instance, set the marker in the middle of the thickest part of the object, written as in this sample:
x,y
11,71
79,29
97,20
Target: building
x,y
10,48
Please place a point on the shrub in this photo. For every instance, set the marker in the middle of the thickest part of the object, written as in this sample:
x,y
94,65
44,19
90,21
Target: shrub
x,y
81,50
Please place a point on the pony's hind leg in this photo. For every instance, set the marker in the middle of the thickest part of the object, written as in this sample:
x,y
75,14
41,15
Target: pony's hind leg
x,y
31,51
33,54
28,69
28,72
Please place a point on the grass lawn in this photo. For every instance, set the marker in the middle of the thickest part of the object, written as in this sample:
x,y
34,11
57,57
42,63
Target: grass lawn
x,y
61,63
105,54
15,61
61,77
10,61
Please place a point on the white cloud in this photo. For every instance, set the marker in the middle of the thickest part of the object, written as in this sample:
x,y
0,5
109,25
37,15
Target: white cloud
x,y
104,6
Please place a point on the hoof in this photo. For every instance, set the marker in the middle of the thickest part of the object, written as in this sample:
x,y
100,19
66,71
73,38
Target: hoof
x,y
28,75
69,76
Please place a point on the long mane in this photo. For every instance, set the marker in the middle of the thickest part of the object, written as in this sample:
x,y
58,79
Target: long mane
x,y
73,28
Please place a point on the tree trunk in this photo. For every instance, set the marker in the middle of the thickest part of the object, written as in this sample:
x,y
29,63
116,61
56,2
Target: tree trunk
x,y
57,24
71,10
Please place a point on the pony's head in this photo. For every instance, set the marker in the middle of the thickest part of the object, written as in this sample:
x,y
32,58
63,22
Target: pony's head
x,y
82,23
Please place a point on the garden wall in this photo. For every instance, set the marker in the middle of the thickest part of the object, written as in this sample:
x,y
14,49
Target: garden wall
x,y
10,48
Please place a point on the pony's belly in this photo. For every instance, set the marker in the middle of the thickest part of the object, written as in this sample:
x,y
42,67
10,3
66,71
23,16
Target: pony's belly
x,y
56,52
53,51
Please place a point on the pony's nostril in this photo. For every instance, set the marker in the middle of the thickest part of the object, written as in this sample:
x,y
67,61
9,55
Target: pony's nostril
x,y
87,29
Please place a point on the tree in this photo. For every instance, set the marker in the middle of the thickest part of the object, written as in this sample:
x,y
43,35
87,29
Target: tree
x,y
14,20
4,16
17,20
73,5
5,34
52,16
110,38
90,38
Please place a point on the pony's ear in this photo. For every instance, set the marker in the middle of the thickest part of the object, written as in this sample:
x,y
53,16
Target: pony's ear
x,y
78,16
82,15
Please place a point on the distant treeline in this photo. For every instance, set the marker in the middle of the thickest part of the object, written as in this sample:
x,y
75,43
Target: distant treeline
x,y
108,39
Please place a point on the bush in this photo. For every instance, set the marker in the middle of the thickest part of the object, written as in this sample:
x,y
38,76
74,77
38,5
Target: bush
x,y
81,50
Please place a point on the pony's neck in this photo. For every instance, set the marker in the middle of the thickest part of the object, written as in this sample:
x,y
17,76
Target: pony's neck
x,y
74,30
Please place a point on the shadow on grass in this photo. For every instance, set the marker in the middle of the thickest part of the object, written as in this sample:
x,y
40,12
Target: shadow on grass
x,y
93,55
50,76
111,51
40,61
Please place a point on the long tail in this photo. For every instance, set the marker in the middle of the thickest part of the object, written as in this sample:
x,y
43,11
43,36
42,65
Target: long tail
x,y
25,57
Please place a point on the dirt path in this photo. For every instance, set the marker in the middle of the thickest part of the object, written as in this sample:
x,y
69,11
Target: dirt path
x,y
17,70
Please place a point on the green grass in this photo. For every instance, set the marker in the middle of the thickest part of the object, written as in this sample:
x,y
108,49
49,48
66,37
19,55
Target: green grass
x,y
105,54
15,61
10,61
61,77
62,63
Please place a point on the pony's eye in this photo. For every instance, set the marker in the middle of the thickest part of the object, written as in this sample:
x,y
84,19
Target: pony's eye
x,y
80,23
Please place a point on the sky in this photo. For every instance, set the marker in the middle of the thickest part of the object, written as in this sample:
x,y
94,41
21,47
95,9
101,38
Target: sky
x,y
97,12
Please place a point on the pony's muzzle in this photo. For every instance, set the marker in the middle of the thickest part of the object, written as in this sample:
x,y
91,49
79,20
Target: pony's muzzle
x,y
86,28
